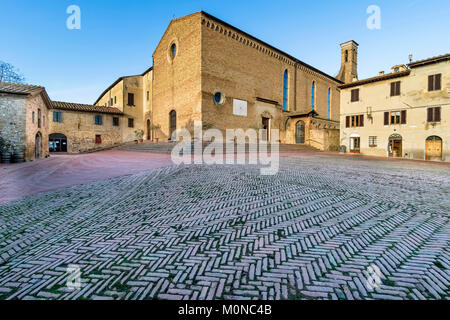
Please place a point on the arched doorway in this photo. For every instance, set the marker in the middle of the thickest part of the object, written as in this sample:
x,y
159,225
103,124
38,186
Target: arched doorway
x,y
172,123
57,142
38,146
395,146
149,131
300,132
433,148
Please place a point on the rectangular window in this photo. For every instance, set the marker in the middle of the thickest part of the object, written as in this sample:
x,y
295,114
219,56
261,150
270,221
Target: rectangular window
x,y
115,121
112,101
386,118
434,114
98,120
395,117
32,117
354,121
131,99
98,139
57,116
148,95
372,141
39,118
130,123
355,95
115,99
434,82
395,89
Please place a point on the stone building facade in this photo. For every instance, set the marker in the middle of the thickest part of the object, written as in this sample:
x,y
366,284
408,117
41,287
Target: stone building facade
x,y
207,70
404,114
132,95
24,119
76,128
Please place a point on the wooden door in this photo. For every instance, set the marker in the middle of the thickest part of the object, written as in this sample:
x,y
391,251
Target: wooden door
x,y
433,148
173,123
266,127
300,132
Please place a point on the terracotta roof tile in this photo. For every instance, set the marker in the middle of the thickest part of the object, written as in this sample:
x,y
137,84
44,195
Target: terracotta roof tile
x,y
17,88
84,107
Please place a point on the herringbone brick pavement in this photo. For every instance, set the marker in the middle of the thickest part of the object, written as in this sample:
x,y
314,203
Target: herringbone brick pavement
x,y
314,231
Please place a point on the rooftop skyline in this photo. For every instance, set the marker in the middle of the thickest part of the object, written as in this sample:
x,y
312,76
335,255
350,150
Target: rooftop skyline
x,y
117,38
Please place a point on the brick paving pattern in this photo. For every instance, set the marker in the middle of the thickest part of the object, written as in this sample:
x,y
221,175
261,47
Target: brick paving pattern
x,y
225,232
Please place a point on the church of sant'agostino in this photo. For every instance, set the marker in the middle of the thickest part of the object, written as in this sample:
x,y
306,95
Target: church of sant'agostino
x,y
203,70
207,70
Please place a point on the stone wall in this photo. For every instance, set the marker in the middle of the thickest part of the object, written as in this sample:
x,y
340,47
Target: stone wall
x,y
177,81
246,69
34,104
12,120
80,130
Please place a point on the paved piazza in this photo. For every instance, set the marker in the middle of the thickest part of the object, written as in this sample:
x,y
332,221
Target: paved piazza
x,y
326,227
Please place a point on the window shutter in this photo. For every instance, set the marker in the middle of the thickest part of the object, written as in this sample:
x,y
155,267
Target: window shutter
x,y
353,95
386,118
430,115
392,89
437,114
437,82
397,92
357,95
347,122
361,120
403,117
430,83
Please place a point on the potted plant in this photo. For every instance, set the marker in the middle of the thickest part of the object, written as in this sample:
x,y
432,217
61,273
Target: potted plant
x,y
139,135
153,128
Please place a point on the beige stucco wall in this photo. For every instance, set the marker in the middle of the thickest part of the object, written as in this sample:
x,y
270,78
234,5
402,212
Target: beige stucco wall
x,y
80,130
415,99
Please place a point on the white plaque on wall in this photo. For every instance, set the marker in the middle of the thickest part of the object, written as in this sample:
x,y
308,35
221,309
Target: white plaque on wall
x,y
240,107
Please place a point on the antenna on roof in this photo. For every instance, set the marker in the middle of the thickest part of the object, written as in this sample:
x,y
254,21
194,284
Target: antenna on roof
x,y
410,58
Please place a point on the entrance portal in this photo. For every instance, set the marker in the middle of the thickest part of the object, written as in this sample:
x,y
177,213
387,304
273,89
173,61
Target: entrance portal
x,y
148,130
57,143
433,148
172,123
266,128
300,132
395,146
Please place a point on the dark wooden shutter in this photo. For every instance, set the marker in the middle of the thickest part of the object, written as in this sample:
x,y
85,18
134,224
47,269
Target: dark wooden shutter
x,y
361,120
430,115
430,83
392,89
403,117
357,95
347,122
437,114
437,82
386,118
397,88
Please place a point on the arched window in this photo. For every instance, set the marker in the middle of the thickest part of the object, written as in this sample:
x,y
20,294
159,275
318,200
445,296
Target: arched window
x,y
313,92
329,103
285,90
346,55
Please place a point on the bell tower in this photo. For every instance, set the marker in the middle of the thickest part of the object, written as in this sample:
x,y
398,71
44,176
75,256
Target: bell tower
x,y
349,62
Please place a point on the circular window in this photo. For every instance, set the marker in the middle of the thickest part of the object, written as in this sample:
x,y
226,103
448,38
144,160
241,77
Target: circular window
x,y
219,97
173,50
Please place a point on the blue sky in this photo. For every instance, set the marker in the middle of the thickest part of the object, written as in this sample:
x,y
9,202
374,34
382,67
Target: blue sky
x,y
118,37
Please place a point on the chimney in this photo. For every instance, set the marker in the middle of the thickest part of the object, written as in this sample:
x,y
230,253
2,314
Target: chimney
x,y
381,73
349,62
